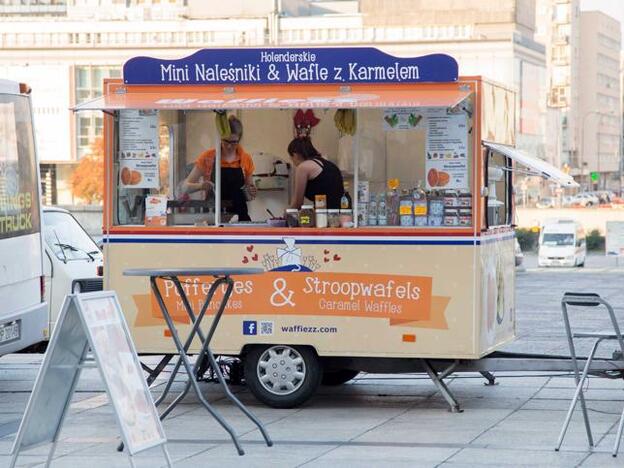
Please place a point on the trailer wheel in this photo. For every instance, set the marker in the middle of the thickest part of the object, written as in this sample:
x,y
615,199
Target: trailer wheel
x,y
338,377
282,376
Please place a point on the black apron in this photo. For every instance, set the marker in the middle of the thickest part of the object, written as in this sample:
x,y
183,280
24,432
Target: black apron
x,y
232,196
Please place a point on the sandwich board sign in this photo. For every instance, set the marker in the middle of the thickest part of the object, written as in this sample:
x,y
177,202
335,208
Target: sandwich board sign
x,y
91,322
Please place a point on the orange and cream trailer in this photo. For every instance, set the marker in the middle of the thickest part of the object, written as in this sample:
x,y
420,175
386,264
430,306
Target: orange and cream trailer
x,y
422,282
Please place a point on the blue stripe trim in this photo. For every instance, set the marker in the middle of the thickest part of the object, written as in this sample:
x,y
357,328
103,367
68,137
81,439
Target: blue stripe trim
x,y
299,241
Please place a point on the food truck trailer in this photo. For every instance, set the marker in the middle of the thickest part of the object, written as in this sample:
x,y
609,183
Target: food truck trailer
x,y
419,267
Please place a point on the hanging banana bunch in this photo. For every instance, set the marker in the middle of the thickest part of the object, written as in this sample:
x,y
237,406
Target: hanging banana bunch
x,y
223,125
346,122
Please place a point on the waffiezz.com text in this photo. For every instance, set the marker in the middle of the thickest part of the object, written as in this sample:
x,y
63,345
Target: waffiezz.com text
x,y
307,329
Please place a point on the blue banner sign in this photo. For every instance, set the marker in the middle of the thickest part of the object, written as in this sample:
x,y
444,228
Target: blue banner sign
x,y
290,66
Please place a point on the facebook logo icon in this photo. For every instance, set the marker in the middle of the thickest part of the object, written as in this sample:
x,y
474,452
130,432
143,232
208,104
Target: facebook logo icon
x,y
250,327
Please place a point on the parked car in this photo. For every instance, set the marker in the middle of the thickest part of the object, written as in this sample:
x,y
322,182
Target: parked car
x,y
519,256
71,259
585,199
546,202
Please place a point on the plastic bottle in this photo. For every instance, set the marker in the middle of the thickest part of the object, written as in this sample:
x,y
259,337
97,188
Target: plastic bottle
x,y
406,209
419,198
382,217
372,212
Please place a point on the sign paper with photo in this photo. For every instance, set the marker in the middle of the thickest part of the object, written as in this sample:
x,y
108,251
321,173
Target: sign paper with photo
x,y
156,210
615,239
446,149
138,148
403,118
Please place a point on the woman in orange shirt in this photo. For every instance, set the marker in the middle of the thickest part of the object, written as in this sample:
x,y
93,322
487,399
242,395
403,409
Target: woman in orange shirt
x,y
236,172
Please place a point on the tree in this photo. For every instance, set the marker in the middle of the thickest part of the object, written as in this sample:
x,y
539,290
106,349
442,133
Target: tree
x,y
87,180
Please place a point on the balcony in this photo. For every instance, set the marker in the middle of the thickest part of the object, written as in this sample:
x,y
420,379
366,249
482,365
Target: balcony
x,y
33,10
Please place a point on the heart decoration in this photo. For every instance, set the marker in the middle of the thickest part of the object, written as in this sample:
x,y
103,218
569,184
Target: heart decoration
x,y
326,259
245,259
255,257
326,252
249,248
337,258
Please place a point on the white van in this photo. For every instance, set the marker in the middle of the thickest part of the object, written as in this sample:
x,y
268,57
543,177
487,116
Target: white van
x,y
23,312
72,259
562,243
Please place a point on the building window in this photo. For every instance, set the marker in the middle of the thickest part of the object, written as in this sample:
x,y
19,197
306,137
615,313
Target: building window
x,y
561,54
89,125
559,96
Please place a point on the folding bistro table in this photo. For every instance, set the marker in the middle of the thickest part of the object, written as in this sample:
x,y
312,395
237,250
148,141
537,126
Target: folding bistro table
x,y
223,277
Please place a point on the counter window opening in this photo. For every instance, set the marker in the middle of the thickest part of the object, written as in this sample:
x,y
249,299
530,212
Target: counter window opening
x,y
400,167
498,176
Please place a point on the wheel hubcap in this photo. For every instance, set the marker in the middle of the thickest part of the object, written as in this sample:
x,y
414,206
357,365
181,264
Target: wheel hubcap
x,y
281,370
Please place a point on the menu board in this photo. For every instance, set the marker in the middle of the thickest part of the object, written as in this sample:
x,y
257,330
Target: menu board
x,y
138,148
614,242
156,210
447,149
128,391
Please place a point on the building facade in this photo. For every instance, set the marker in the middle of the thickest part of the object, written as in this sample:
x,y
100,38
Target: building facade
x,y
64,48
600,100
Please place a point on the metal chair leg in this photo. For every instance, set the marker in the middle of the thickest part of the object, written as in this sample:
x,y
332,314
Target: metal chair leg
x,y
578,393
618,437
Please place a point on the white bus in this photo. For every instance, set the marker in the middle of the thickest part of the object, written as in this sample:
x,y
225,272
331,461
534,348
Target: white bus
x,y
23,311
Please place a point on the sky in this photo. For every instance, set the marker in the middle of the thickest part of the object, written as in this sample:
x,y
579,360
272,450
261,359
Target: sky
x,y
614,8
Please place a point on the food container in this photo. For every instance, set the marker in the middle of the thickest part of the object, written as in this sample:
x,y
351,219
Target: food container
x,y
276,222
465,216
333,218
292,217
346,218
450,198
306,216
321,218
464,199
320,202
435,220
451,217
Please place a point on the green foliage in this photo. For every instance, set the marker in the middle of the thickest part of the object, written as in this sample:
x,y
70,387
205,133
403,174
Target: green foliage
x,y
595,241
527,239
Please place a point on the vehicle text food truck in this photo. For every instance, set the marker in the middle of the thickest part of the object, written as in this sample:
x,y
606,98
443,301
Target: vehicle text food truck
x,y
410,259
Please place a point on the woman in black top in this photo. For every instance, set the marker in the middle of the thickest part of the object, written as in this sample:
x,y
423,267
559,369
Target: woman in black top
x,y
314,175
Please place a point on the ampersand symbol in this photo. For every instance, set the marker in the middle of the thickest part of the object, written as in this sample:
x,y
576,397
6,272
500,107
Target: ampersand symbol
x,y
273,73
286,299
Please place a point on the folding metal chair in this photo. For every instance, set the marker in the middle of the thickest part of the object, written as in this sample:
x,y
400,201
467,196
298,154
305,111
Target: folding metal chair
x,y
588,300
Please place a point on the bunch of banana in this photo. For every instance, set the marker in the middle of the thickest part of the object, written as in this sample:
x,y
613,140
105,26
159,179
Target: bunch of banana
x,y
345,121
223,125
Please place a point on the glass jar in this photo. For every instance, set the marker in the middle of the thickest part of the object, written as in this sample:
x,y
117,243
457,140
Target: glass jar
x,y
321,218
450,198
306,216
333,218
346,218
292,217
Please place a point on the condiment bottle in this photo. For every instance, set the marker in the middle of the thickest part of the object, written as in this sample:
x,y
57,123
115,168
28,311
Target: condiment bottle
x,y
392,202
345,200
419,198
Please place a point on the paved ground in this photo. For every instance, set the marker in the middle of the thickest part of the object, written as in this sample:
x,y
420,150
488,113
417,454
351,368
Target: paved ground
x,y
376,420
